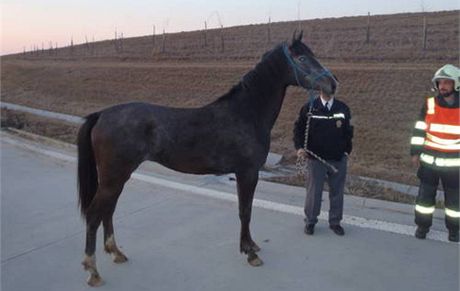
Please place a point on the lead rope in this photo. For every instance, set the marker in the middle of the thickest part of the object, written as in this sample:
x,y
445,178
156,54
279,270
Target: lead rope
x,y
301,163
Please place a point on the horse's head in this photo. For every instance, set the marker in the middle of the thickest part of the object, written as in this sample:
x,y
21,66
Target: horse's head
x,y
306,70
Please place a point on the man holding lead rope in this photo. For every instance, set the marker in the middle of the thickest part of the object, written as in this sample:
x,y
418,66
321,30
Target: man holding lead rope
x,y
323,140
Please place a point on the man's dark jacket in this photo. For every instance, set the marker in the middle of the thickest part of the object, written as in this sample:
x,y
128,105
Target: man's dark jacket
x,y
330,131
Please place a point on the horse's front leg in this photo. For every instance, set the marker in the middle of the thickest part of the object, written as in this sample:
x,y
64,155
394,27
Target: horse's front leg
x,y
246,185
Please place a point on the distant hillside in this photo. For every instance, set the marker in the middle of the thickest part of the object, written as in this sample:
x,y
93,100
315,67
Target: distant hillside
x,y
394,38
384,82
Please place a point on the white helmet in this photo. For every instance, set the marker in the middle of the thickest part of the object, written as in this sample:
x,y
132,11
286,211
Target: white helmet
x,y
450,72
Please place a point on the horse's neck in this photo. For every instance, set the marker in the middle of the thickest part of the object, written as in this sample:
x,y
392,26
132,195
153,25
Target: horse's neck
x,y
266,88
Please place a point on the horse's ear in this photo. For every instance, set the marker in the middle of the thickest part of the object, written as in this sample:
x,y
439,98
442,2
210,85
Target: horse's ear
x,y
299,38
294,38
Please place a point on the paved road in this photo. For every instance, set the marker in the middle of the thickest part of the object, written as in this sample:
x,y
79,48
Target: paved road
x,y
178,240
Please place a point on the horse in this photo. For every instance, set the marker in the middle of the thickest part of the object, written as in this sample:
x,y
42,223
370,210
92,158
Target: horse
x,y
229,135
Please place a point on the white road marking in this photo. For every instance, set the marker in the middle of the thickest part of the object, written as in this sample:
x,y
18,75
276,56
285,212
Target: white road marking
x,y
265,204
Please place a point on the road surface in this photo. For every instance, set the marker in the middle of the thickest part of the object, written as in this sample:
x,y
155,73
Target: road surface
x,y
181,232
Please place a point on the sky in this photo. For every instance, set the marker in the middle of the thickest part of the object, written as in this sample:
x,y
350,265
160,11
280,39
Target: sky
x,y
39,22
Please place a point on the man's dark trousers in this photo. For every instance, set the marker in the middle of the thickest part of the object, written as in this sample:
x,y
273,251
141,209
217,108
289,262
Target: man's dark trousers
x,y
318,173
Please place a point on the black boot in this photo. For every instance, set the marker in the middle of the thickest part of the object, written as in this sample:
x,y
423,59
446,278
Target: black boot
x,y
309,229
421,232
453,235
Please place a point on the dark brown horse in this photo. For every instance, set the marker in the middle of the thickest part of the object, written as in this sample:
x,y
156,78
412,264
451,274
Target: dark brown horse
x,y
230,135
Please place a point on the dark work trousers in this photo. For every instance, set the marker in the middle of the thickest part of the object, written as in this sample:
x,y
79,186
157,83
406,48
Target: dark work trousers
x,y
429,181
318,173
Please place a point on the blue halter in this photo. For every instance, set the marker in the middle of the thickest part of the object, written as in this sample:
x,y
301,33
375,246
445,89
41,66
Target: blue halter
x,y
312,76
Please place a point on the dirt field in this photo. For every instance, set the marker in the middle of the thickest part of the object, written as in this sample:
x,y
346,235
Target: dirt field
x,y
383,82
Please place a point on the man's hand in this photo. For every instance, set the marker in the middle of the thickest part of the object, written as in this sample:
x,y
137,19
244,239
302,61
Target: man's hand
x,y
301,154
416,161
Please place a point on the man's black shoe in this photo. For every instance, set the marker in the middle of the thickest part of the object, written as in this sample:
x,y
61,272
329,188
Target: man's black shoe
x,y
309,229
453,236
421,232
337,229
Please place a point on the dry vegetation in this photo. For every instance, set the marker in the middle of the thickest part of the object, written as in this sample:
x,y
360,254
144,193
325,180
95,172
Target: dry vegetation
x,y
384,82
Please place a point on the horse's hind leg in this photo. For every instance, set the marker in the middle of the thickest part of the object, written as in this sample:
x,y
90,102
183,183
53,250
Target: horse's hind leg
x,y
101,209
109,241
93,220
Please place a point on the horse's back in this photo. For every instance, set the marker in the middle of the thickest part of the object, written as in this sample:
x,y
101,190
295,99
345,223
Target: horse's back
x,y
194,140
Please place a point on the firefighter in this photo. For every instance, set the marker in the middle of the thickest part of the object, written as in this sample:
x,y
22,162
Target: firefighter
x,y
435,149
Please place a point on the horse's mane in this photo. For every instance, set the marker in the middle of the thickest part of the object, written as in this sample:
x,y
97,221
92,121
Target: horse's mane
x,y
251,77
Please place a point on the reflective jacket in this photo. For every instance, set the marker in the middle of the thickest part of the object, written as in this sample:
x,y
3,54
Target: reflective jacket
x,y
436,134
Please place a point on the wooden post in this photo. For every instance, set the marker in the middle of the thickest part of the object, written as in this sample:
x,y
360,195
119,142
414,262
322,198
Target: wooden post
x,y
71,46
153,38
115,42
56,49
424,32
222,38
205,34
93,43
121,42
269,34
86,45
163,45
368,29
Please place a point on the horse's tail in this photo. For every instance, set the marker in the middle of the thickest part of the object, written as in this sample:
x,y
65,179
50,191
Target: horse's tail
x,y
87,171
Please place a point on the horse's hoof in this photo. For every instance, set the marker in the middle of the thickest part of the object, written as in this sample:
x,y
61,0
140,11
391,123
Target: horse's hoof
x,y
255,248
120,259
95,281
87,264
255,261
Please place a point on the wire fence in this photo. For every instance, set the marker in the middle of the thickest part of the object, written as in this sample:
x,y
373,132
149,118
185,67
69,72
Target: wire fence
x,y
396,37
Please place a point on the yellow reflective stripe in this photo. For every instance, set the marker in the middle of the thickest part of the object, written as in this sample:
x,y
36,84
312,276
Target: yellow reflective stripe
x,y
430,107
420,125
417,140
452,213
442,146
445,128
447,162
423,209
440,162
442,140
427,159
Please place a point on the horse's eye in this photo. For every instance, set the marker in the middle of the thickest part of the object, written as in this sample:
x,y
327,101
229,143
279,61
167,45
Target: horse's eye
x,y
302,59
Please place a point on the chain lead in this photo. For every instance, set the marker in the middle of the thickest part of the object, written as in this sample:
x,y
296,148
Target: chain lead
x,y
301,163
